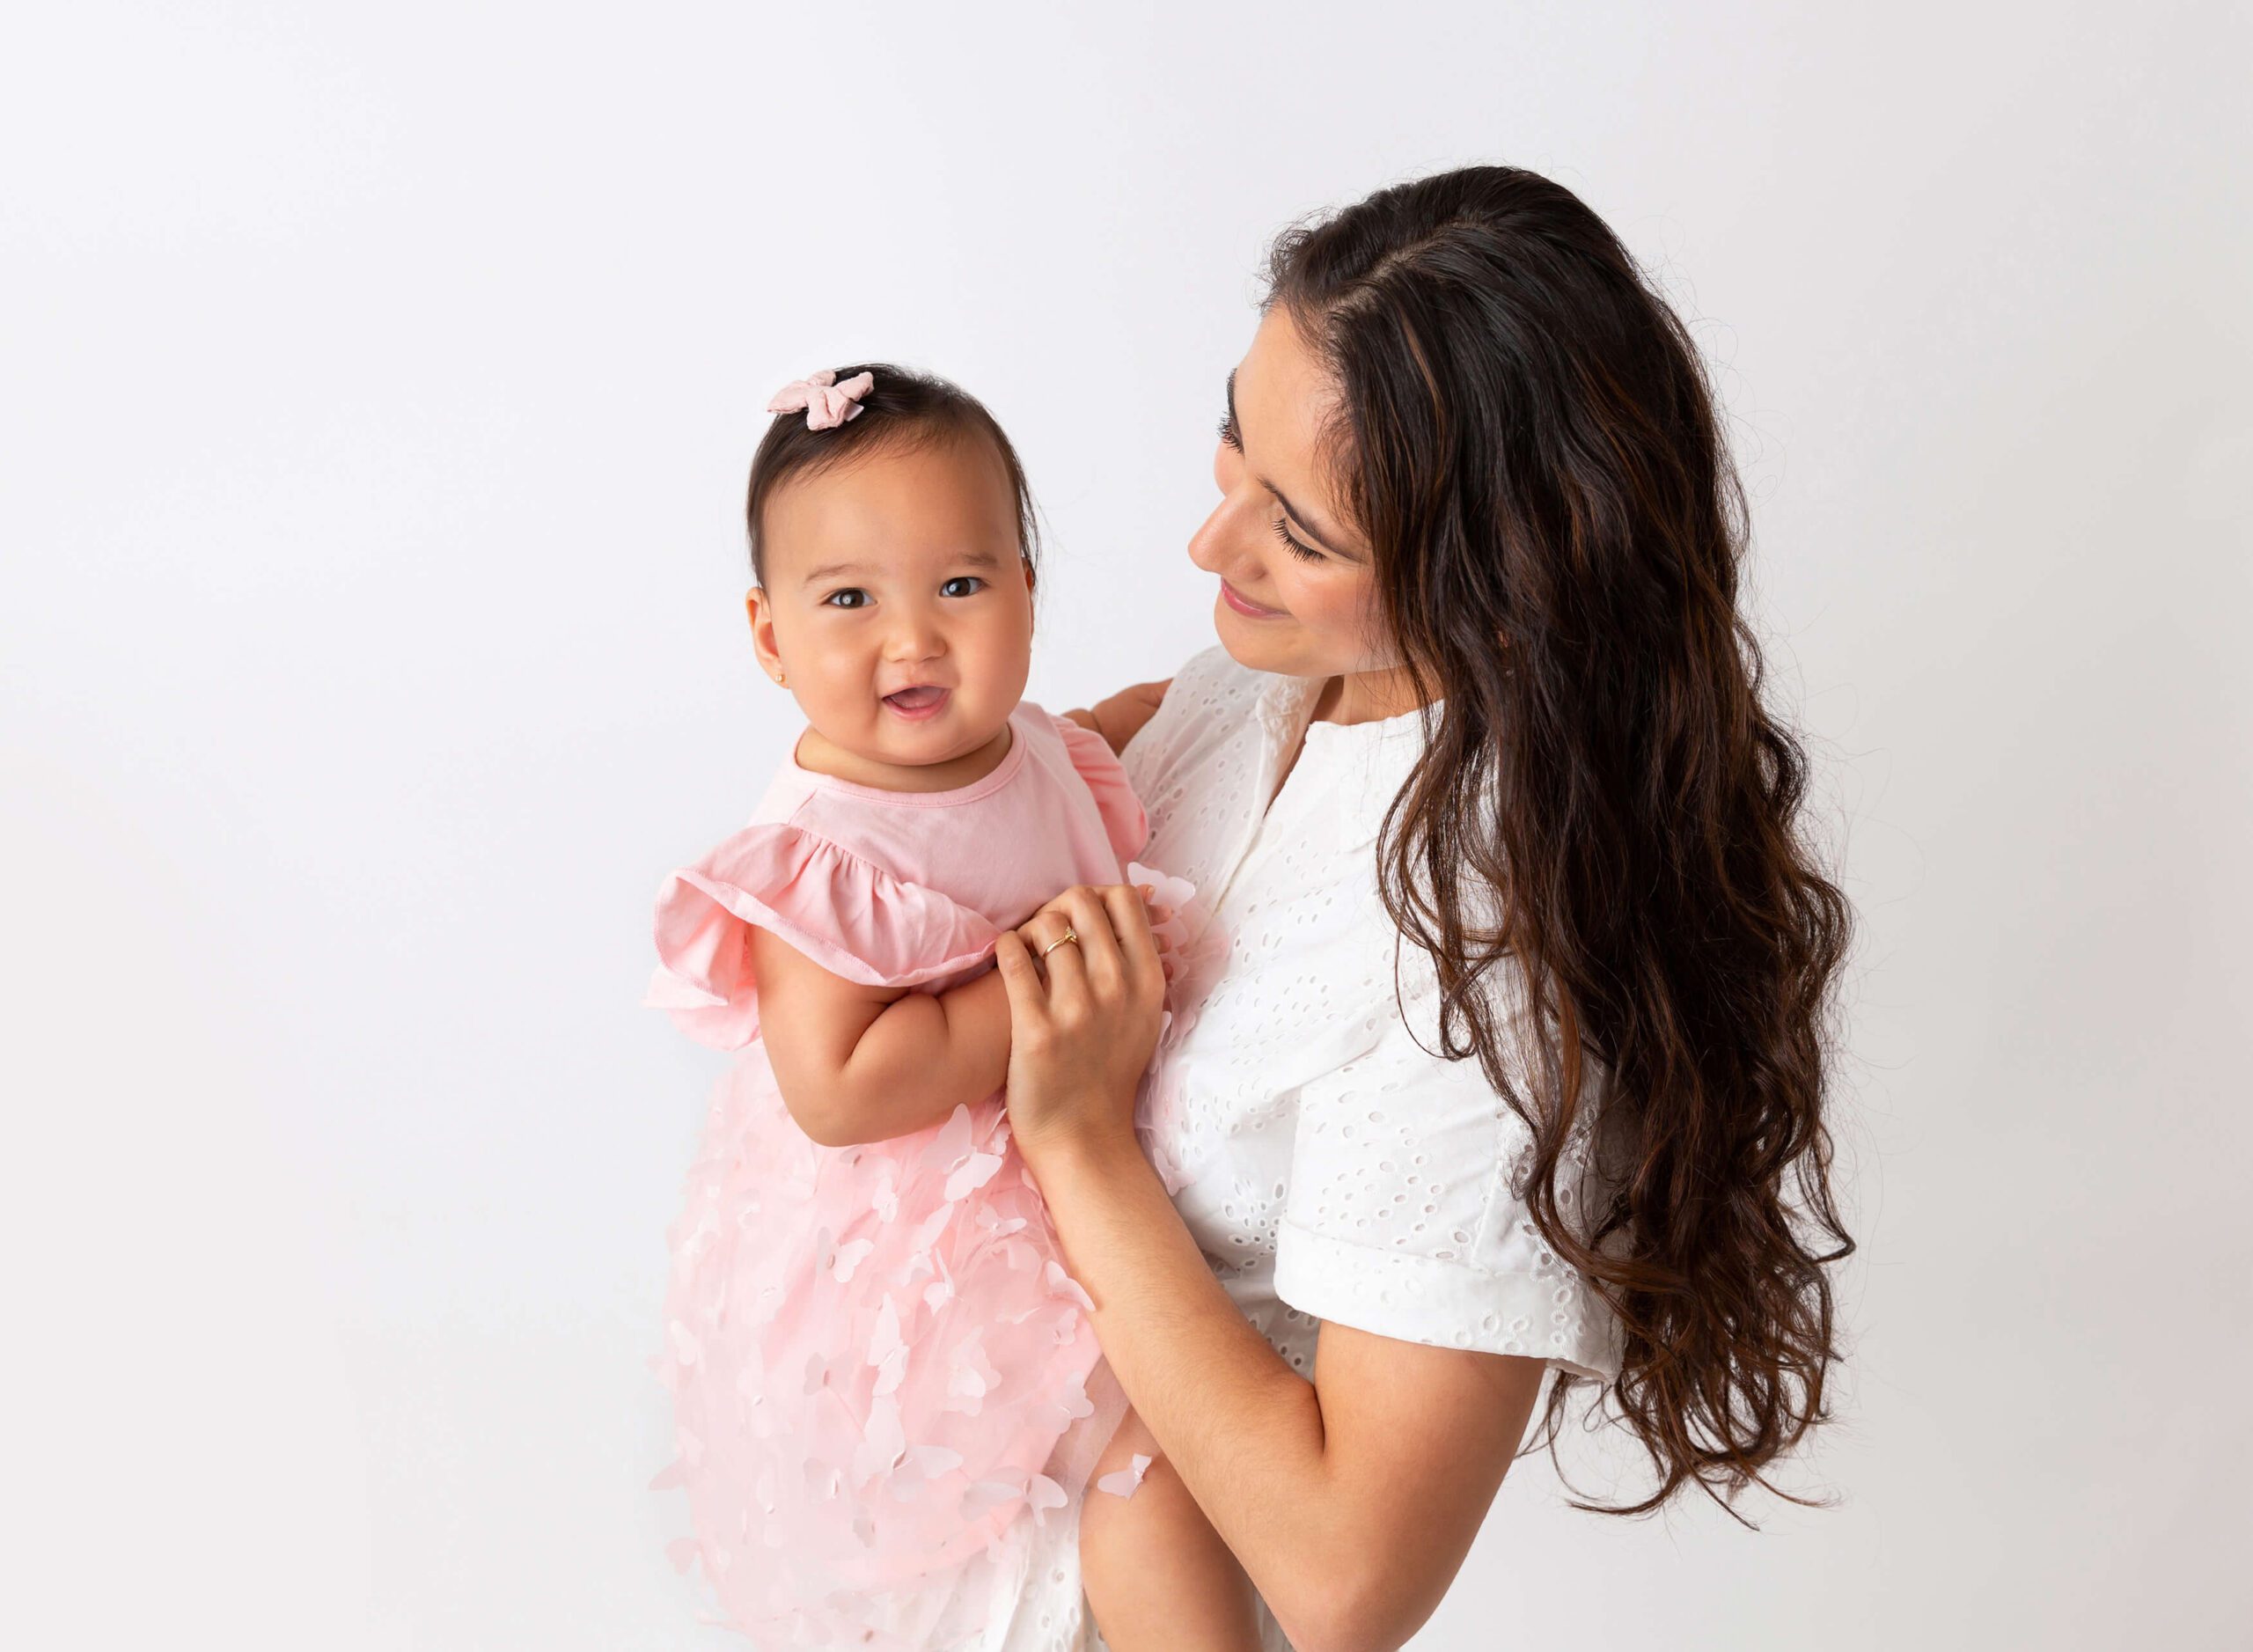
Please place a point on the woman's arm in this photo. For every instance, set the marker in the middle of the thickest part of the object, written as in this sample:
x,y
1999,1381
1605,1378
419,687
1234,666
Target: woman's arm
x,y
1351,1500
1119,719
860,1063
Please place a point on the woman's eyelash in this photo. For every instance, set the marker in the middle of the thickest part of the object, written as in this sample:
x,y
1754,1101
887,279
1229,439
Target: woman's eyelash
x,y
1297,549
1227,435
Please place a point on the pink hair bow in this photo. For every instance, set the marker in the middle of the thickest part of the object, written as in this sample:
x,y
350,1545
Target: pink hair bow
x,y
828,404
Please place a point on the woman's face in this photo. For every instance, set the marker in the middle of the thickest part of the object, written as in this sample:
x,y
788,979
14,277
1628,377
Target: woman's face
x,y
1297,587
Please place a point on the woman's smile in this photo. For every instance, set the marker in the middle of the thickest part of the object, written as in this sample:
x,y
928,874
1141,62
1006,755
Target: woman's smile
x,y
1236,600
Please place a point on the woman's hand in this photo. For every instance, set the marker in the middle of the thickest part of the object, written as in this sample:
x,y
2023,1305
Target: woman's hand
x,y
1083,1017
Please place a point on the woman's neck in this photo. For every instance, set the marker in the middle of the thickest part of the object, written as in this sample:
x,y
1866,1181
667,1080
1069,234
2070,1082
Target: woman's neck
x,y
1364,697
1347,699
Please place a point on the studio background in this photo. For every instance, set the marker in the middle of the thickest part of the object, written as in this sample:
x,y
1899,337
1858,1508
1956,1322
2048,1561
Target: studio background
x,y
380,384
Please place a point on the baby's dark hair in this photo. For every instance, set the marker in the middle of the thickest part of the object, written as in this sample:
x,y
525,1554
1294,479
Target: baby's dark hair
x,y
901,406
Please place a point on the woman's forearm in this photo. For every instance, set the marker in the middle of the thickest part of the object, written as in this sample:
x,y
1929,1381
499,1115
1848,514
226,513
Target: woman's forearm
x,y
925,1055
1243,1429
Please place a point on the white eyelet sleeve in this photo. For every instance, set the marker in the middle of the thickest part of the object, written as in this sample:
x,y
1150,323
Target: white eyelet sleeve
x,y
1400,1216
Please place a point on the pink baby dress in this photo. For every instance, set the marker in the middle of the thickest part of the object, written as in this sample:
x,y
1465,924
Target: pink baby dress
x,y
882,1377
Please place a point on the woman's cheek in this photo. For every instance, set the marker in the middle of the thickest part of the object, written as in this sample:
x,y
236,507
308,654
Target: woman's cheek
x,y
1354,632
1328,608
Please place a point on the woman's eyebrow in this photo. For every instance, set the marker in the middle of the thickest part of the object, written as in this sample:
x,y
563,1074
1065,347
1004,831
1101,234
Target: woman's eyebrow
x,y
1324,540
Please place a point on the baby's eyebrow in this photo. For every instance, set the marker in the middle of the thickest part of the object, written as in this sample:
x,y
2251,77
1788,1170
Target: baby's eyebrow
x,y
969,558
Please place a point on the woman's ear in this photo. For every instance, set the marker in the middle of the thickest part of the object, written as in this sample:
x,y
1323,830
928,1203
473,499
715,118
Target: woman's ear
x,y
760,612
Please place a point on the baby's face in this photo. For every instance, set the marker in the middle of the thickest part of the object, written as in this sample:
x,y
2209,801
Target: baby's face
x,y
897,607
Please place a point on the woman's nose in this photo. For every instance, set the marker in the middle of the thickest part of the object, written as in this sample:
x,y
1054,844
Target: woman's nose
x,y
1218,546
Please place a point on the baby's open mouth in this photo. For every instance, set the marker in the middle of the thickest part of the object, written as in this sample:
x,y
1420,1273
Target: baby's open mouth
x,y
922,697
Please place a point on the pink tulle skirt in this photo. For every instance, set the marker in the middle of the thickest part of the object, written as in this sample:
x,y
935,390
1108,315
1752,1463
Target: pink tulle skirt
x,y
884,1380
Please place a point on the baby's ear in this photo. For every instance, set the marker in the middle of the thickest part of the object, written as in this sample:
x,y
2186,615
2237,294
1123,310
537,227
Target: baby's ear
x,y
757,609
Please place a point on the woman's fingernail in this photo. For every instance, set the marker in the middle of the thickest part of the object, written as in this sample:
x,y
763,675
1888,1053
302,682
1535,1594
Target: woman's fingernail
x,y
1162,912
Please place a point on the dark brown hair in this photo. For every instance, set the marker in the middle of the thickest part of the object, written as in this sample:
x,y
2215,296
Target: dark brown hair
x,y
1528,438
901,406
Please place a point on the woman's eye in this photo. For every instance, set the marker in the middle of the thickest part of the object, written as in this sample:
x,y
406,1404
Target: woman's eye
x,y
850,591
1297,549
1228,431
960,579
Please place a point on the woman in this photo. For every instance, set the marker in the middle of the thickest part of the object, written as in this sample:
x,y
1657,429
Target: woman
x,y
1511,1035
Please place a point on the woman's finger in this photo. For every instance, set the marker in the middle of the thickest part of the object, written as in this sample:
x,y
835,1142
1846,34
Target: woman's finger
x,y
1106,970
1138,944
1068,977
1028,998
1029,936
1041,930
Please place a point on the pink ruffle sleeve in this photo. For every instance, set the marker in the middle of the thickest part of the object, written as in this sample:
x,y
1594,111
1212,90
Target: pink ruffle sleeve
x,y
853,918
1123,819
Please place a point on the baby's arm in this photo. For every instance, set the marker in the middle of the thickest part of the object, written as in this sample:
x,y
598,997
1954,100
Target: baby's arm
x,y
860,1063
1119,719
1158,1577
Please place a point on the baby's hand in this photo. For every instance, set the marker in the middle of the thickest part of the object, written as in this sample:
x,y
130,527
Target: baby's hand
x,y
1121,717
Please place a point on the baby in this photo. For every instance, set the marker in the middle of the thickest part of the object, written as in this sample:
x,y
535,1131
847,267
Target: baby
x,y
883,1378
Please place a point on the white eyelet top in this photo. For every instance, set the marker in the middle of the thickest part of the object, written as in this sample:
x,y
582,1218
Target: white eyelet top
x,y
1328,1168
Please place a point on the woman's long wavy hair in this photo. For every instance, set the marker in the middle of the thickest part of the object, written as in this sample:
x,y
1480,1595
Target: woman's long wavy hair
x,y
1527,437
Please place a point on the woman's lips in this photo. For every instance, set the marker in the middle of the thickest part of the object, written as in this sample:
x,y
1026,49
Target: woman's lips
x,y
1250,610
919,704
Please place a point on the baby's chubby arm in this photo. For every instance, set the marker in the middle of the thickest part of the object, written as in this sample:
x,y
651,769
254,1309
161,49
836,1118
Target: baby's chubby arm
x,y
860,1063
1119,719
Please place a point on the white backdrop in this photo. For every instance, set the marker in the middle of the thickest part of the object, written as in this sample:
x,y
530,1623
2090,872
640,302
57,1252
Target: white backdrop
x,y
381,382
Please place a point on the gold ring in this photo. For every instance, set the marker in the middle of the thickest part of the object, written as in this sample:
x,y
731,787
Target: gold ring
x,y
1069,935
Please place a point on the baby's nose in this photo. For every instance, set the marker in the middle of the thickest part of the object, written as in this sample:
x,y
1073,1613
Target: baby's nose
x,y
915,642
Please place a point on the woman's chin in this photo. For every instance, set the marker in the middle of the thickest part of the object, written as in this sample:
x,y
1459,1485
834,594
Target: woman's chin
x,y
1259,645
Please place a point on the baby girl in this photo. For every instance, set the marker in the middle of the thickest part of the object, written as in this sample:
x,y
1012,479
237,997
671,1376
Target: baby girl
x,y
883,1378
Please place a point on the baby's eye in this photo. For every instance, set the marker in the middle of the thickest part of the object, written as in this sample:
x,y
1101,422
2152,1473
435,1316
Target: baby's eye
x,y
960,579
849,590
